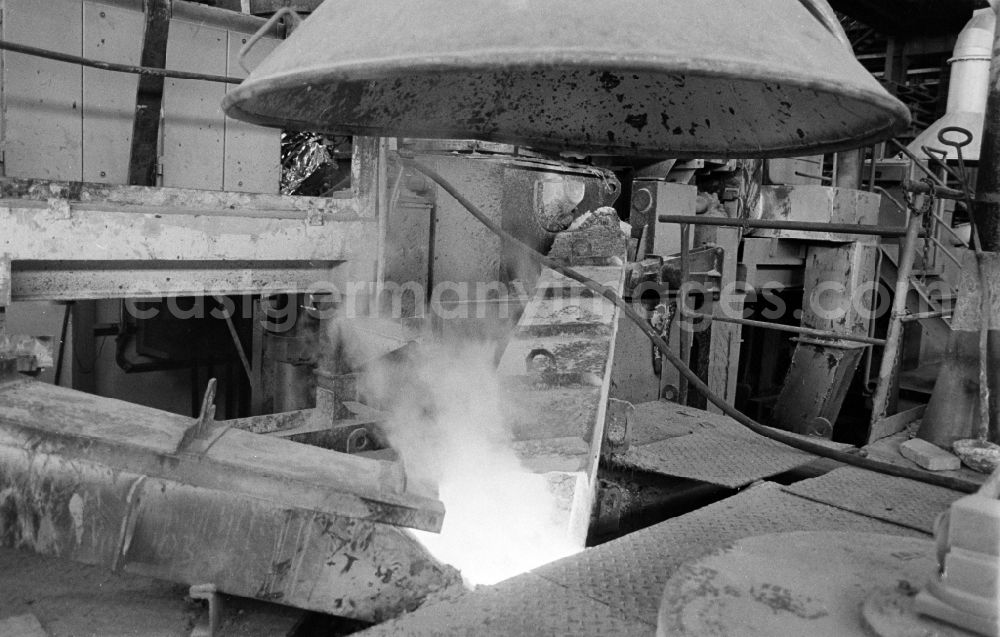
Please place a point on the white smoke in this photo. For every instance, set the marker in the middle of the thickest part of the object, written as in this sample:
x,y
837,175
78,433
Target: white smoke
x,y
446,421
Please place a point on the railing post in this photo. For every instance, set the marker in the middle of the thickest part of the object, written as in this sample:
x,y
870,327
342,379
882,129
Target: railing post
x,y
890,355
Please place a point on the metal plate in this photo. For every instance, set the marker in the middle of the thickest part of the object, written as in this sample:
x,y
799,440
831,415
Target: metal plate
x,y
524,605
801,583
898,500
615,588
629,574
725,458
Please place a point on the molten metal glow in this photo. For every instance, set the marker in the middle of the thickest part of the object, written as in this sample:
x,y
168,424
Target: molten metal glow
x,y
447,423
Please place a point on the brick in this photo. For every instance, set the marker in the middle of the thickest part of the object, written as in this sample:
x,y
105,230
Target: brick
x,y
929,456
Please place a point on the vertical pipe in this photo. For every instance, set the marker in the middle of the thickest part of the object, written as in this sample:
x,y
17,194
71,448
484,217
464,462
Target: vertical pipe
x,y
685,326
849,165
986,208
890,355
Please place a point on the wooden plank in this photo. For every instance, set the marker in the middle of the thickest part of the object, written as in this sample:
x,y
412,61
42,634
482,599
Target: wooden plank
x,y
43,126
110,34
252,158
889,425
193,122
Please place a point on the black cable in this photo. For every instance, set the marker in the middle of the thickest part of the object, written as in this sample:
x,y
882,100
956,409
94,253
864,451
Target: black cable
x,y
693,380
62,343
114,66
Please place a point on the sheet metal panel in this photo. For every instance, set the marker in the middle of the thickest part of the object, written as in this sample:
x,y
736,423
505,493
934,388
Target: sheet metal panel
x,y
43,98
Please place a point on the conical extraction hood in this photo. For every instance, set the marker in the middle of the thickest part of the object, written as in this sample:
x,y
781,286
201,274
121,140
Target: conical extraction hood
x,y
967,90
721,78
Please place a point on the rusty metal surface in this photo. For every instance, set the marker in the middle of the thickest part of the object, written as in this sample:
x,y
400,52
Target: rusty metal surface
x,y
878,496
815,386
679,79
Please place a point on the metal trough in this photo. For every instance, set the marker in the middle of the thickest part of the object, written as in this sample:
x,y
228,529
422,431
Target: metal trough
x,y
135,489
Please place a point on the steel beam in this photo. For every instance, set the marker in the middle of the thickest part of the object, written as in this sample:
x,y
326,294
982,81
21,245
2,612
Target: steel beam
x,y
82,280
556,375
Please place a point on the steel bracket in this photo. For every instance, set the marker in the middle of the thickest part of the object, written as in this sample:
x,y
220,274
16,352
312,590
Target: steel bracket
x,y
204,428
209,593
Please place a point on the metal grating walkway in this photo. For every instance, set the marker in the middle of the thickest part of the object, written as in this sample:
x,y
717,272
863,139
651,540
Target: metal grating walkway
x,y
615,588
897,500
690,443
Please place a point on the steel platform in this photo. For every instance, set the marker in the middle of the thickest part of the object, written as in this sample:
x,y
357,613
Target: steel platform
x,y
615,588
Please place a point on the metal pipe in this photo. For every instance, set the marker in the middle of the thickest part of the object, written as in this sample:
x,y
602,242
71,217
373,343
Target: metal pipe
x,y
113,66
890,355
816,177
942,224
685,333
237,344
794,329
781,224
792,440
918,163
946,251
909,318
939,191
849,165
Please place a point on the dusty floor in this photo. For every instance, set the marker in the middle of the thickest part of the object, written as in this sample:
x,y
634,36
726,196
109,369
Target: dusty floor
x,y
71,599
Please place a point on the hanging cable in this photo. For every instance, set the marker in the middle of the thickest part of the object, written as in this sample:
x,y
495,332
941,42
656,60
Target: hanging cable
x,y
694,382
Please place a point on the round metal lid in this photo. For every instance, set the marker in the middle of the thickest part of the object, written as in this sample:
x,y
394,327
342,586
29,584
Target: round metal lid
x,y
723,78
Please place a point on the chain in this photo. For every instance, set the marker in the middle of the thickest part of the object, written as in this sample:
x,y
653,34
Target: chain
x,y
925,210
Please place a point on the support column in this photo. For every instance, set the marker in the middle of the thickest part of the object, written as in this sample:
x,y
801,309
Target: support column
x,y
953,411
986,207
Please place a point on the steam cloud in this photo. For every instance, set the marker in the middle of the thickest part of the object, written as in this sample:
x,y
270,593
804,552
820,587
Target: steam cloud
x,y
446,421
